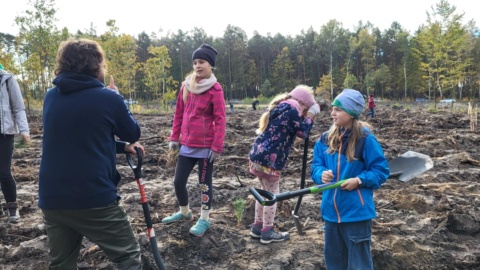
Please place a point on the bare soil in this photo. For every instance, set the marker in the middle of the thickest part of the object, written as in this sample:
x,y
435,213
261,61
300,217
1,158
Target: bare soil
x,y
430,222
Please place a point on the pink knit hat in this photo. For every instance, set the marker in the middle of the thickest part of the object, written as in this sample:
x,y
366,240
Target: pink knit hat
x,y
303,94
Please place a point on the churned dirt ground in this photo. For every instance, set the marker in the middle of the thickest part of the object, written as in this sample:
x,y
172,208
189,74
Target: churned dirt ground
x,y
430,222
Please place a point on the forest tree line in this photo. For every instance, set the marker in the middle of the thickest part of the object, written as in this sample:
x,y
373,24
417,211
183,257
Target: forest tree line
x,y
439,60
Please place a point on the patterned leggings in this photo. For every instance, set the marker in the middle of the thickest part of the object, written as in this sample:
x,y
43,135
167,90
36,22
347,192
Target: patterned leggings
x,y
266,214
182,172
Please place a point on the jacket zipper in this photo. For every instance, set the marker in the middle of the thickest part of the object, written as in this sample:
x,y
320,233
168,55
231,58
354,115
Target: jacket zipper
x,y
339,219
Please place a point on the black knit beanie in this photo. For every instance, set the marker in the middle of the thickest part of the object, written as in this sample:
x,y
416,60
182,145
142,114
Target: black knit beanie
x,y
207,53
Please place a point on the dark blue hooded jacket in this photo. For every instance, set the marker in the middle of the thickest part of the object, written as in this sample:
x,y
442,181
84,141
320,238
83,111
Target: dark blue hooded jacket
x,y
80,121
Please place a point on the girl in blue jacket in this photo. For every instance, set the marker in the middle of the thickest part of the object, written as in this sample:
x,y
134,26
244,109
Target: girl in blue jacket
x,y
348,151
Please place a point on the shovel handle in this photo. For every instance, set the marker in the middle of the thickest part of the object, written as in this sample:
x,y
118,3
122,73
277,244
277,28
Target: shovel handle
x,y
267,198
309,190
304,172
137,168
320,188
259,195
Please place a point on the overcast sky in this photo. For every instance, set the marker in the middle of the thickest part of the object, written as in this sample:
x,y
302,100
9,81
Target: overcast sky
x,y
264,16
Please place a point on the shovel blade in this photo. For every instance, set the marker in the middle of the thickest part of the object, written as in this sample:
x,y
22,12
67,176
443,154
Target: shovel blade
x,y
297,223
409,165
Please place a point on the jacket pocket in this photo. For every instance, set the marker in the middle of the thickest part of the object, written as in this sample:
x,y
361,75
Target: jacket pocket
x,y
7,121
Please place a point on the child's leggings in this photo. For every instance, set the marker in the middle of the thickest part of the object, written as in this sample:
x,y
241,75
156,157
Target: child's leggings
x,y
205,169
266,214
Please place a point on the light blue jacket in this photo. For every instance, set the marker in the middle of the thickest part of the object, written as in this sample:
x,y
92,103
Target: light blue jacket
x,y
370,166
13,118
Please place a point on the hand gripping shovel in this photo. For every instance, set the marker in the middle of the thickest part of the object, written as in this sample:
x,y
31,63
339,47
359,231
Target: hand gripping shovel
x,y
137,170
406,167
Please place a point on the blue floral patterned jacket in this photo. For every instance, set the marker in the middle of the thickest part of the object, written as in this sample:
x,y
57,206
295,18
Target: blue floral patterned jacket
x,y
271,148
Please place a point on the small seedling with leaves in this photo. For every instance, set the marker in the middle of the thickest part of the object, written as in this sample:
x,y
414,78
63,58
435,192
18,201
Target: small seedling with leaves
x,y
239,206
21,143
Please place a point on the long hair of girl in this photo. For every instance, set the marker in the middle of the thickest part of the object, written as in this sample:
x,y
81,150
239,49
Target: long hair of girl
x,y
334,139
262,125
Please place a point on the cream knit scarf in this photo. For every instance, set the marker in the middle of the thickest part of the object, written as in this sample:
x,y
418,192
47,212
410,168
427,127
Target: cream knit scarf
x,y
202,85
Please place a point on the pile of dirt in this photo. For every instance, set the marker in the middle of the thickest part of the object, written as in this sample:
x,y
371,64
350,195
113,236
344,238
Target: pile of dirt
x,y
430,222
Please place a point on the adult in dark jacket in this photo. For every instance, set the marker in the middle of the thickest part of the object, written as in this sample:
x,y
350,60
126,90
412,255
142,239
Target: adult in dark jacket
x,y
77,180
255,104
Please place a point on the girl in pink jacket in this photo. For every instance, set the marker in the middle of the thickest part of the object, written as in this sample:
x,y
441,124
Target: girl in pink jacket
x,y
199,127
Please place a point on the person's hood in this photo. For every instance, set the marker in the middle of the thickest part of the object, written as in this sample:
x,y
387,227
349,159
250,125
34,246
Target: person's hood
x,y
5,75
69,82
294,105
281,108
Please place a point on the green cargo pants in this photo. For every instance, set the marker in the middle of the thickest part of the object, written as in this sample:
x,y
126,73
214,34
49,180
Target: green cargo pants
x,y
108,227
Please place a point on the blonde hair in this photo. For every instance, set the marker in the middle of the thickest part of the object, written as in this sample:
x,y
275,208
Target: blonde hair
x,y
334,136
262,125
193,85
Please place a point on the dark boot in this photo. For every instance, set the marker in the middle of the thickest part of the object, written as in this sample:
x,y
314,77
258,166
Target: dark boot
x,y
12,211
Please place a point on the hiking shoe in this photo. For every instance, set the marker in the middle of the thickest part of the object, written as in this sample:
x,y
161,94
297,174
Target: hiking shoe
x,y
256,232
178,216
12,212
13,216
200,228
272,236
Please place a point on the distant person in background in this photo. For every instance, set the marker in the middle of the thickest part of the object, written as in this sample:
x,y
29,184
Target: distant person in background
x,y
348,151
13,120
199,125
231,105
171,104
371,106
78,178
289,115
255,104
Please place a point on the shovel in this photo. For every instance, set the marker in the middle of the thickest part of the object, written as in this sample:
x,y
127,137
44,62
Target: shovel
x,y
410,164
406,167
302,185
137,170
271,198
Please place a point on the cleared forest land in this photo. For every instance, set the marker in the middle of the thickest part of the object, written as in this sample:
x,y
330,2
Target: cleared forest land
x,y
430,222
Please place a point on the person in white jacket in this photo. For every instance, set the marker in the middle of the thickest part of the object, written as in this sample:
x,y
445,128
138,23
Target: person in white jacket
x,y
13,120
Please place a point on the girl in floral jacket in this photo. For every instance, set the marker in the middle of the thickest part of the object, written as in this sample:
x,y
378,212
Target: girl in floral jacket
x,y
289,115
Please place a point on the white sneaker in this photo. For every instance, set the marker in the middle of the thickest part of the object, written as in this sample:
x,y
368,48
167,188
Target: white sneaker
x,y
12,212
13,216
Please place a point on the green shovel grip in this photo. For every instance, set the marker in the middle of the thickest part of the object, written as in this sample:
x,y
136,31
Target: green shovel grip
x,y
320,188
